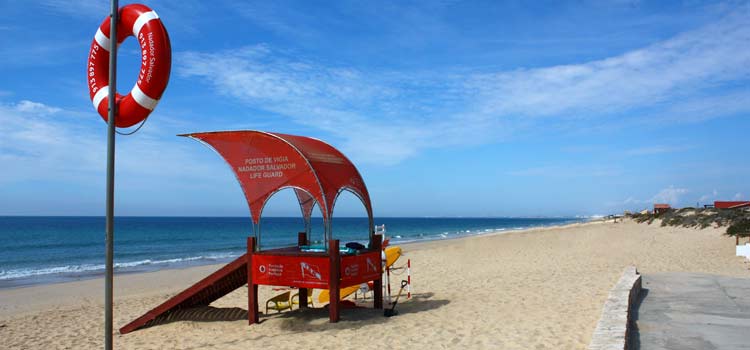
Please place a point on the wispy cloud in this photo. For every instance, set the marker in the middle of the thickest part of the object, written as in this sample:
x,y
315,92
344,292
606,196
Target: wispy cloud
x,y
388,116
368,113
39,53
670,195
570,171
663,72
267,14
78,8
26,106
726,102
709,197
674,73
656,149
37,136
44,142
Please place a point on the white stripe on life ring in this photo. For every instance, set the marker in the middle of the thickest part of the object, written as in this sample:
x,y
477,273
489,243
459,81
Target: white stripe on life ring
x,y
142,99
100,95
102,39
142,20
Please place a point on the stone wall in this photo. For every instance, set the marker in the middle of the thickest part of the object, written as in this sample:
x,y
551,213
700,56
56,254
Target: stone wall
x,y
614,328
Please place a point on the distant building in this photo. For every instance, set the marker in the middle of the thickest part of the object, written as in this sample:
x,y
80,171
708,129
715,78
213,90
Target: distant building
x,y
661,208
731,204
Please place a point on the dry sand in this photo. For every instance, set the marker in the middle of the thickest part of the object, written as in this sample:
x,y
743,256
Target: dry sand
x,y
533,289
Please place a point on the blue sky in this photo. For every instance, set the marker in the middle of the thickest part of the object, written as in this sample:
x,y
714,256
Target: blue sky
x,y
448,108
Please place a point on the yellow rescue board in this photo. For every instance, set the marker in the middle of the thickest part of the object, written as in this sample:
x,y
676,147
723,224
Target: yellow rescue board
x,y
391,255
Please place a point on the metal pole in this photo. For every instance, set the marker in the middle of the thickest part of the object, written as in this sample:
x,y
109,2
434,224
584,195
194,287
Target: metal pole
x,y
109,242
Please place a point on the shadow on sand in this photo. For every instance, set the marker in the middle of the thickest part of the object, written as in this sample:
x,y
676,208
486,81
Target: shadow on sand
x,y
310,319
201,314
316,319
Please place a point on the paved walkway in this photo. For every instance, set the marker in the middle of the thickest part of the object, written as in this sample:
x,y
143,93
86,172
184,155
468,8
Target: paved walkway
x,y
693,311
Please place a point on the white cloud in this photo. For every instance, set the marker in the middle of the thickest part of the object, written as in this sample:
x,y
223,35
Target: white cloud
x,y
44,142
656,149
79,8
179,14
702,108
386,117
26,106
571,171
267,14
40,53
738,196
39,140
666,71
670,195
709,197
363,111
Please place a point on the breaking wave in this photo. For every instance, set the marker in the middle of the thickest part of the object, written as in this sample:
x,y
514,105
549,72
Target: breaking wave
x,y
88,269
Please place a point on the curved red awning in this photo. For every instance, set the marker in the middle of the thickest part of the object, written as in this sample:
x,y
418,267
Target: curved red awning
x,y
265,163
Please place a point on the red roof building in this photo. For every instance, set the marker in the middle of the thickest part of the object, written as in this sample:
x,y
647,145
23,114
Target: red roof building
x,y
731,204
661,208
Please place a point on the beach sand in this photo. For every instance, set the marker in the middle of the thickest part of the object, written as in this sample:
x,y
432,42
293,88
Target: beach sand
x,y
532,289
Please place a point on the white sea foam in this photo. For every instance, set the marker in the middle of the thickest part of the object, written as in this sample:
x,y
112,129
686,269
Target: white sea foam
x,y
94,268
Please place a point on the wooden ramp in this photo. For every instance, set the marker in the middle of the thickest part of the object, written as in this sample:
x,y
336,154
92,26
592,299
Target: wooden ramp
x,y
203,293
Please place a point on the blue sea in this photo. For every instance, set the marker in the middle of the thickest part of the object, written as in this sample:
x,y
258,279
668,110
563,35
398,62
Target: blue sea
x,y
39,250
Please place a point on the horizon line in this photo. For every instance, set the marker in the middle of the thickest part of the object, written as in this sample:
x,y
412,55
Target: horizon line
x,y
340,217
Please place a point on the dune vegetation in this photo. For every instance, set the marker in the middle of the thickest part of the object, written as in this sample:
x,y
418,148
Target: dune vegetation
x,y
736,221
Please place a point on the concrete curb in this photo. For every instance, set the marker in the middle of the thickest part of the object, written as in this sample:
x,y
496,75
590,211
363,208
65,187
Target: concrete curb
x,y
614,328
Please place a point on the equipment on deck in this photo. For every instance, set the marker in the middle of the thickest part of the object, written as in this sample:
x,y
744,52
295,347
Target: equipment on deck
x,y
391,254
279,302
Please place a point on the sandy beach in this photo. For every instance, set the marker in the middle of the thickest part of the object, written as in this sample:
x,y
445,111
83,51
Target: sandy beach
x,y
532,289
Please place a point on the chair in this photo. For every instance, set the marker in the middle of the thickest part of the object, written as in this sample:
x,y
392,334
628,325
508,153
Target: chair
x,y
279,302
295,298
365,288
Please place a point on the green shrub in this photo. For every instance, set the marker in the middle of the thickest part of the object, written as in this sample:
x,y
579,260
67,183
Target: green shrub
x,y
741,228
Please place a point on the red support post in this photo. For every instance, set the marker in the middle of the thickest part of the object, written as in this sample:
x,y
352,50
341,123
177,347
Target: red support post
x,y
335,280
252,288
408,279
302,240
377,285
388,280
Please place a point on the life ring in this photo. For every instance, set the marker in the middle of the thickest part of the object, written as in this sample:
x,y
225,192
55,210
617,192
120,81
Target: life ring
x,y
156,61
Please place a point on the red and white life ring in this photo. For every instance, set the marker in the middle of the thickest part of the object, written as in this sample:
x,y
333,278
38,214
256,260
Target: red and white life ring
x,y
156,61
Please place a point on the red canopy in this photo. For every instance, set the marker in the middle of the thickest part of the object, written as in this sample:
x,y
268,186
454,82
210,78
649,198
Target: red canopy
x,y
265,163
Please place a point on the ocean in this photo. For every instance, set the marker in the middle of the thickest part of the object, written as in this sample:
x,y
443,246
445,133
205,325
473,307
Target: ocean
x,y
41,250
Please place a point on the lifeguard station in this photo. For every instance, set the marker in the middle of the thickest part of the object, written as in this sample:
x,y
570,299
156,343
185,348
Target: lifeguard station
x,y
265,163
